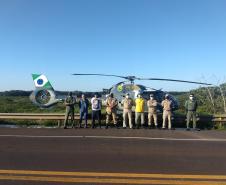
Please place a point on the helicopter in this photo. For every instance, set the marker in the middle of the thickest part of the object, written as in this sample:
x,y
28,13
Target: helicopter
x,y
44,95
128,86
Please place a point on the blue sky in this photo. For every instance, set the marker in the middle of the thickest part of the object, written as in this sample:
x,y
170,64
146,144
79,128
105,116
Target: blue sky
x,y
179,39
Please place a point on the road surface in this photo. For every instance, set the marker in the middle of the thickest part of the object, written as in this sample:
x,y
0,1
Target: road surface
x,y
99,156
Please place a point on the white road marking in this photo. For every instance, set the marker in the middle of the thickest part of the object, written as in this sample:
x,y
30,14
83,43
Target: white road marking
x,y
118,137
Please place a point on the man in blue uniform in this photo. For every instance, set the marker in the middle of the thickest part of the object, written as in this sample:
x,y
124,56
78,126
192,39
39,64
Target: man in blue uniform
x,y
83,106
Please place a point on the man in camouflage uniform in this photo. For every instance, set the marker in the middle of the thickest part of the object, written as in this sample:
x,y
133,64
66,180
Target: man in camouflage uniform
x,y
111,110
127,103
152,111
167,112
70,109
191,106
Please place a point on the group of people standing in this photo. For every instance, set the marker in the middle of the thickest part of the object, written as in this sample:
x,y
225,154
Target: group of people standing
x,y
152,105
128,103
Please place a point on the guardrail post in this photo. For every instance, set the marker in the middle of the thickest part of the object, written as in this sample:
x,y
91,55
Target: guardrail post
x,y
59,123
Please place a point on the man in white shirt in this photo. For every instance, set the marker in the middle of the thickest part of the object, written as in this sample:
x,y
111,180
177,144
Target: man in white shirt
x,y
96,110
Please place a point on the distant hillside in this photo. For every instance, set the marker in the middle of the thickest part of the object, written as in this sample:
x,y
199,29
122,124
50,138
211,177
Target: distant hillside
x,y
15,93
60,93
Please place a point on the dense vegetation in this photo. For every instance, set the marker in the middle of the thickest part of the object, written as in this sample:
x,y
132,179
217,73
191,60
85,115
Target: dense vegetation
x,y
210,100
22,104
18,102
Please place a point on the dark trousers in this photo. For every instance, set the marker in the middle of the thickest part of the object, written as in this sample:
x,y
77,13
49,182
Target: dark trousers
x,y
96,115
83,115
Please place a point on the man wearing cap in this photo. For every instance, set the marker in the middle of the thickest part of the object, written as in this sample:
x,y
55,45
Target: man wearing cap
x,y
152,111
167,112
127,103
70,109
139,111
191,107
111,110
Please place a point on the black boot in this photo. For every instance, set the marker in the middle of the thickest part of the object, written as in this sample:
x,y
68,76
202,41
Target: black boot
x,y
117,126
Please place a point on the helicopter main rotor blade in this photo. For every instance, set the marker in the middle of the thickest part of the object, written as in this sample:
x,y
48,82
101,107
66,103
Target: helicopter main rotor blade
x,y
173,80
133,78
77,74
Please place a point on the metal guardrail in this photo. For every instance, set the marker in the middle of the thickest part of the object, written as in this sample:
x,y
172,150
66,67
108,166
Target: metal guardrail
x,y
60,116
219,118
33,116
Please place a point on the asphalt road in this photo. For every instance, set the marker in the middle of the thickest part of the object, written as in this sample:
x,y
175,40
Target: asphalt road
x,y
79,156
